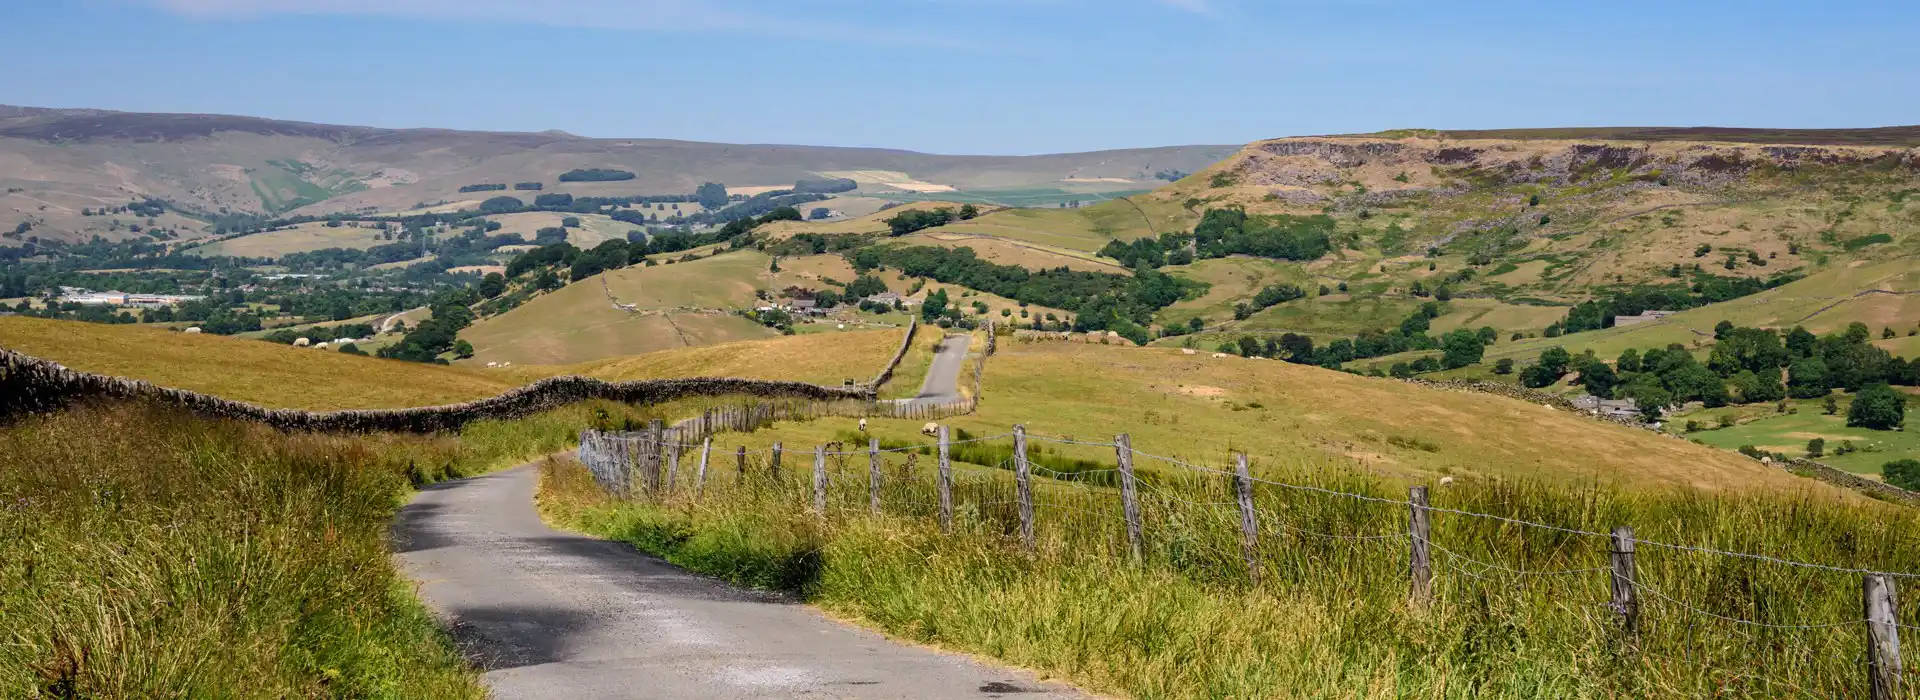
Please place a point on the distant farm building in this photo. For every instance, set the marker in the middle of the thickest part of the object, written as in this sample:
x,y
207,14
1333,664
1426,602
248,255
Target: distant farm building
x,y
1616,408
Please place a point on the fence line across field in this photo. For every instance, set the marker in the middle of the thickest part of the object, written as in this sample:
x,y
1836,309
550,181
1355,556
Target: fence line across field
x,y
629,463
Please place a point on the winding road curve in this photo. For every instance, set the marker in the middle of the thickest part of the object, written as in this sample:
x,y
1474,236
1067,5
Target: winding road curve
x,y
549,614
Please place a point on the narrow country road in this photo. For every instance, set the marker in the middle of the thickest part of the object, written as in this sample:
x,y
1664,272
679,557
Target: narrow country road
x,y
550,614
943,375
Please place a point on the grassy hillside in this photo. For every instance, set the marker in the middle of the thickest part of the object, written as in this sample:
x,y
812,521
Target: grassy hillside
x,y
680,305
254,371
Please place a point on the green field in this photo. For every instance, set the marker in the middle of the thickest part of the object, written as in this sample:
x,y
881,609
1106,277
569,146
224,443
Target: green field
x,y
1787,433
1230,280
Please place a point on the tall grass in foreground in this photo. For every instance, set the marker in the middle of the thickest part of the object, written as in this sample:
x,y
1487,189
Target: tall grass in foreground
x,y
1520,612
145,554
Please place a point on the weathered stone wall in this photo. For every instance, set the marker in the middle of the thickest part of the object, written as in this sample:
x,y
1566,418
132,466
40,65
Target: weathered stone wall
x,y
906,343
30,385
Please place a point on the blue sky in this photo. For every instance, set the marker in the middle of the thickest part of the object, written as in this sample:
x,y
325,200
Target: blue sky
x,y
973,76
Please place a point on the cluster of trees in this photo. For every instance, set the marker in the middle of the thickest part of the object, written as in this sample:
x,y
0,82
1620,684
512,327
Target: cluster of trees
x,y
1706,289
1268,297
529,186
757,207
596,175
1746,365
1231,231
1119,303
1410,335
557,199
487,187
441,334
817,243
1168,249
1171,175
826,186
865,286
921,219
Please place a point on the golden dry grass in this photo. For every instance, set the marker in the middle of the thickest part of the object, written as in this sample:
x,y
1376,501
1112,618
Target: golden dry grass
x,y
1198,408
821,358
254,371
298,239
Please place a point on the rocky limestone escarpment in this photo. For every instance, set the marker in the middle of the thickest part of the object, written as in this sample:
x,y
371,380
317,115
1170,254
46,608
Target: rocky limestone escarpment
x,y
1320,162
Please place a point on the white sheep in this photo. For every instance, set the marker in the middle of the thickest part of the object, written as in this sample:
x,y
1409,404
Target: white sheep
x,y
1188,351
863,425
492,365
302,342
1446,481
930,429
1221,356
194,330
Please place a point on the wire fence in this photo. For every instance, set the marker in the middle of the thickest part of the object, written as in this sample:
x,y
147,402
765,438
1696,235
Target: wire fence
x,y
1770,622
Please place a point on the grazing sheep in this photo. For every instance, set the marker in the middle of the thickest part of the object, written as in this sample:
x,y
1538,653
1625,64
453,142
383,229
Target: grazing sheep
x,y
863,425
1446,481
930,429
1221,356
302,342
492,365
1188,351
194,330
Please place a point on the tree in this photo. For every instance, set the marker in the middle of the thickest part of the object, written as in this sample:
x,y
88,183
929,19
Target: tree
x,y
1462,347
1629,361
1720,329
462,349
1760,387
1692,381
492,285
1647,394
1807,378
1746,349
570,222
1816,448
1196,324
1551,366
711,195
1904,473
968,211
1503,366
1831,406
352,349
1801,342
1877,407
1299,348
935,306
1599,379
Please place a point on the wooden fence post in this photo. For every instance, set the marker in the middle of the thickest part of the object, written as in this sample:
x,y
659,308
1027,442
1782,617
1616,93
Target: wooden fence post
x,y
773,463
1419,528
740,457
1249,525
656,443
873,476
1024,485
1883,639
700,479
820,481
1129,495
946,481
1626,599
673,457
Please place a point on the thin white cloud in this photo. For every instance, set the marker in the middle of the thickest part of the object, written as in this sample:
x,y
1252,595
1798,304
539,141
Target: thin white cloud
x,y
678,16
